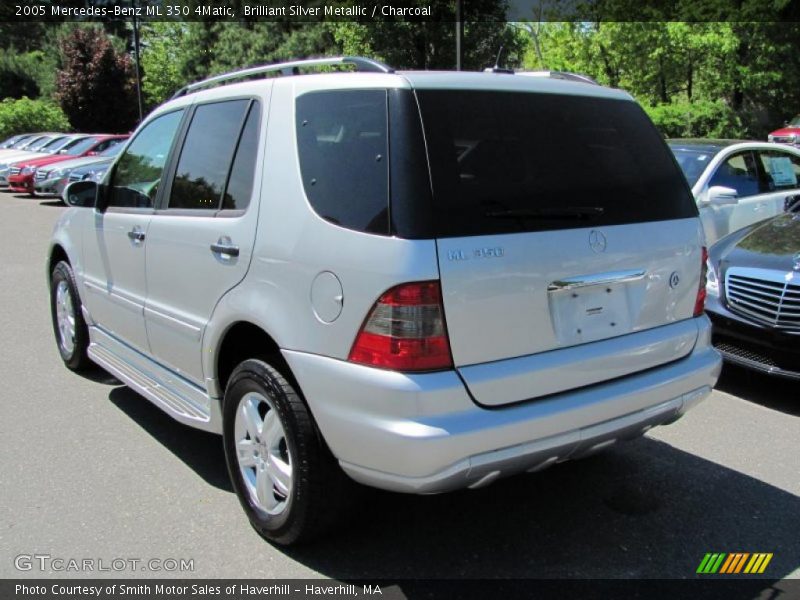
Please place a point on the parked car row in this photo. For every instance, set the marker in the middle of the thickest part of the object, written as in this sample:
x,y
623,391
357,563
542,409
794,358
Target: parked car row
x,y
748,197
42,164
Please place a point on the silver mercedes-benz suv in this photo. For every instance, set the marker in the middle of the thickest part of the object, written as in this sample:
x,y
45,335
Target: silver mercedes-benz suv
x,y
419,281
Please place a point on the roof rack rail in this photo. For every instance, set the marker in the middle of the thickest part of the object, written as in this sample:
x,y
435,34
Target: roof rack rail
x,y
560,75
361,64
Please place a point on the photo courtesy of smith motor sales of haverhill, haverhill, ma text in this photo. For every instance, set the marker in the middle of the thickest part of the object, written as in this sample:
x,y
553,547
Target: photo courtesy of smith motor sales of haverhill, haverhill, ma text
x,y
403,299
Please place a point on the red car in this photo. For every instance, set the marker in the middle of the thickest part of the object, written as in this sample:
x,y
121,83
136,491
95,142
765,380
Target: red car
x,y
789,134
22,174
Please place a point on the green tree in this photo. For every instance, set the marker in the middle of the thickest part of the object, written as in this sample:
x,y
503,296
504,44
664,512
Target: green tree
x,y
164,54
710,78
431,45
24,115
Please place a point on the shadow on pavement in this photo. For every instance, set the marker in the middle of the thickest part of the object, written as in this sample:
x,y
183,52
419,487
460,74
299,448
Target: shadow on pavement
x,y
54,202
771,392
98,375
199,450
644,509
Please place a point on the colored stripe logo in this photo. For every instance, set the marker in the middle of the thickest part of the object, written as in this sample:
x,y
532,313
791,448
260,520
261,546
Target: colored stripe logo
x,y
734,563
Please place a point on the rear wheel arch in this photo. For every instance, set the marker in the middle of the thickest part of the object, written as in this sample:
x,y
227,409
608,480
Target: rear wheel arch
x,y
244,340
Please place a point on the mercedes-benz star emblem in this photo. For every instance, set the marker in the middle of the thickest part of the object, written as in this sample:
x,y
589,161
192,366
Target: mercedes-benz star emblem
x,y
597,241
674,280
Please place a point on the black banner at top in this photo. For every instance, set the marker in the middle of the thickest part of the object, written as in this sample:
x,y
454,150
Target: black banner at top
x,y
399,10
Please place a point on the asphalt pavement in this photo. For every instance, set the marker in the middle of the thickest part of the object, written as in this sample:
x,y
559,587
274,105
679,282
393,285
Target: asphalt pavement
x,y
91,470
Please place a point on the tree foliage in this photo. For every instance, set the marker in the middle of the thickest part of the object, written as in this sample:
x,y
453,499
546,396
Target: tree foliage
x,y
96,85
715,78
409,44
24,115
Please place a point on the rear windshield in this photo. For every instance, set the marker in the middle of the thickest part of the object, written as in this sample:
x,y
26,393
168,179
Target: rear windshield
x,y
693,161
503,162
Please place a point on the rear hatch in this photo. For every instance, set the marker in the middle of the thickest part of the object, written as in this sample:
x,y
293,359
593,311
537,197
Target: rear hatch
x,y
562,222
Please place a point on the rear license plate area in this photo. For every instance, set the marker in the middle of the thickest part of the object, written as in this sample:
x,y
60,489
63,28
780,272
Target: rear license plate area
x,y
590,313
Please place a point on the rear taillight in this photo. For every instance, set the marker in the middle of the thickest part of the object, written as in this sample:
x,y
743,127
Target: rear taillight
x,y
405,331
700,302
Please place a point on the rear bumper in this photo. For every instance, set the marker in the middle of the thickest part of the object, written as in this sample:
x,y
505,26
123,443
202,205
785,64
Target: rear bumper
x,y
424,434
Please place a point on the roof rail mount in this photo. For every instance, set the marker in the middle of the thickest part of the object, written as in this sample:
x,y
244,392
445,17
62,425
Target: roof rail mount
x,y
364,65
560,75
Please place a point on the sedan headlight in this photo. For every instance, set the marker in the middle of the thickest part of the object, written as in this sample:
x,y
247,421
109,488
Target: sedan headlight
x,y
27,170
712,281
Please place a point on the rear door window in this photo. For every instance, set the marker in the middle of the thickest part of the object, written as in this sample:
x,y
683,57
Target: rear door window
x,y
503,162
342,147
781,169
205,159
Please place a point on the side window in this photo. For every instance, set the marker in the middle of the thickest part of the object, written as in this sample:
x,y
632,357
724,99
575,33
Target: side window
x,y
738,172
342,147
240,182
138,171
206,156
781,169
105,145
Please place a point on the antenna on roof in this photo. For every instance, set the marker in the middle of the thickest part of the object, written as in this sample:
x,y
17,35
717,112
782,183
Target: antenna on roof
x,y
497,68
499,54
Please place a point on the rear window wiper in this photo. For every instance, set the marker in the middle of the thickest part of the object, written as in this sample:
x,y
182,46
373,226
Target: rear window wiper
x,y
567,212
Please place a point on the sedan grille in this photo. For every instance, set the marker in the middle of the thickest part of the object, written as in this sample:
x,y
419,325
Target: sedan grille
x,y
15,170
784,139
769,297
41,175
74,176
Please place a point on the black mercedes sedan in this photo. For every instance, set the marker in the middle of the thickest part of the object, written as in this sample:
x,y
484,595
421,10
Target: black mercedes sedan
x,y
754,295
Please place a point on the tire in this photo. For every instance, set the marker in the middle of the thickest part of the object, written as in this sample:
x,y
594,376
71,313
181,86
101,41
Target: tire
x,y
72,335
287,481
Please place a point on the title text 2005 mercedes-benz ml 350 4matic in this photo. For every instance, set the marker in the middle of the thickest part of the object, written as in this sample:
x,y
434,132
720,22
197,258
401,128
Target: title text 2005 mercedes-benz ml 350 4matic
x,y
419,281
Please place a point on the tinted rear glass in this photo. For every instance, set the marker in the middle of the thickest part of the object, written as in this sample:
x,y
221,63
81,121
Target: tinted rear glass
x,y
342,145
504,162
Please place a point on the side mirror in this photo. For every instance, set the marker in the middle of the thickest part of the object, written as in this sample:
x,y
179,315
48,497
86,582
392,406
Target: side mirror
x,y
81,194
792,203
720,195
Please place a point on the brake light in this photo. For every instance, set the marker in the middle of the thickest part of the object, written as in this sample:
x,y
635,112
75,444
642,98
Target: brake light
x,y
405,331
700,302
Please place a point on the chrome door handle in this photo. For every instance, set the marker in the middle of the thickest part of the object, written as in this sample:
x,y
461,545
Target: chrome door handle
x,y
225,247
136,234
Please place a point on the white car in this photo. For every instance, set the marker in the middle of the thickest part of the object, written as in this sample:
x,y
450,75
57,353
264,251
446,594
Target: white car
x,y
737,183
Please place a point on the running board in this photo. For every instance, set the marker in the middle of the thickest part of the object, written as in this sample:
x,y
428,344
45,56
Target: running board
x,y
178,398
